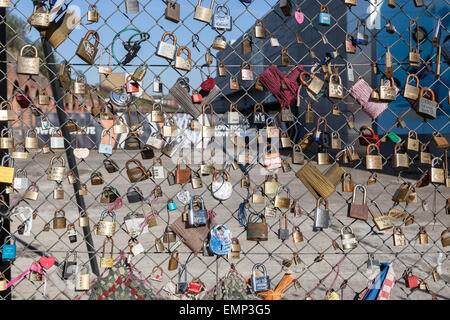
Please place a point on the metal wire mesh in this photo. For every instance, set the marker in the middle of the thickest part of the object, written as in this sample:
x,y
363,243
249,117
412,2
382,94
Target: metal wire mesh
x,y
150,18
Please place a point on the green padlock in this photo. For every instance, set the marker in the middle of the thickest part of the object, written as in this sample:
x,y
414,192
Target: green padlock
x,y
394,138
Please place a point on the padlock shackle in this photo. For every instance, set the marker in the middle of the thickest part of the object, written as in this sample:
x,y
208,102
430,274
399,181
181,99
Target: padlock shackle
x,y
272,147
372,132
108,239
196,197
319,120
302,75
435,161
346,228
57,212
391,80
8,105
412,132
397,146
28,46
259,106
157,159
246,63
259,266
223,173
185,50
363,188
171,36
319,201
323,7
260,22
369,146
297,146
211,108
414,77
110,213
411,22
427,89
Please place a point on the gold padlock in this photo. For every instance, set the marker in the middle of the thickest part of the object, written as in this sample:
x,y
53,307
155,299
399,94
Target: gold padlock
x,y
258,198
423,235
107,262
335,89
270,185
413,141
83,220
58,192
183,63
173,261
219,43
411,92
399,237
86,50
259,29
315,85
414,53
92,14
59,219
298,236
107,228
437,174
28,65
387,92
203,14
400,160
373,162
282,202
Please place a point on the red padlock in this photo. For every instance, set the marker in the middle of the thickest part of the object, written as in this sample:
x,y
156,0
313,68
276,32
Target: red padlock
x,y
132,86
23,100
195,286
196,97
410,280
367,138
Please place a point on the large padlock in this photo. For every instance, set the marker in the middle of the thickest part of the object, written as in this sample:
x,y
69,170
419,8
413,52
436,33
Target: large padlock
x,y
104,261
324,16
28,65
7,172
348,238
172,12
282,202
373,162
257,231
203,14
138,173
262,282
166,49
59,219
387,92
400,160
222,19
86,50
322,216
335,89
426,107
107,228
359,211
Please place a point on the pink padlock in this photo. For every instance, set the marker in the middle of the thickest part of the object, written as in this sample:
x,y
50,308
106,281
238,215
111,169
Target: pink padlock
x,y
132,86
299,16
196,97
157,276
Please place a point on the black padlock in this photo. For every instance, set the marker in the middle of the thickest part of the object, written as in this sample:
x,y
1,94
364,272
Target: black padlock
x,y
69,267
132,142
110,165
134,194
147,153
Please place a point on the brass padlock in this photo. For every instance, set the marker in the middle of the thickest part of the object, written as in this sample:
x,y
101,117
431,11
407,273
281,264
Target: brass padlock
x,y
323,156
58,192
315,85
83,280
40,17
259,29
107,262
246,44
298,236
282,202
414,53
219,43
183,63
43,98
439,139
309,115
400,160
271,185
203,14
86,50
425,155
28,65
413,141
56,172
221,70
399,237
258,198
169,235
172,12
107,228
173,261
285,59
79,86
59,219
19,151
437,174
423,235
335,89
387,92
32,192
336,142
297,154
83,220
411,92
347,183
92,14
83,190
373,162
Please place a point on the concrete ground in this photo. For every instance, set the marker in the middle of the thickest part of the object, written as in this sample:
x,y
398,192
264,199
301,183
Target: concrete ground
x,y
353,268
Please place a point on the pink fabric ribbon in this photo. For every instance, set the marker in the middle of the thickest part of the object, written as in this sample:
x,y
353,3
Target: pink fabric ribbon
x,y
36,267
116,205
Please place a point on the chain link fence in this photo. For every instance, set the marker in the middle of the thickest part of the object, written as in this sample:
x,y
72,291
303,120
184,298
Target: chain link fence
x,y
323,264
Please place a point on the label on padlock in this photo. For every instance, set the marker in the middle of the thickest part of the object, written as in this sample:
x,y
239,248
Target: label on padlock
x,y
350,75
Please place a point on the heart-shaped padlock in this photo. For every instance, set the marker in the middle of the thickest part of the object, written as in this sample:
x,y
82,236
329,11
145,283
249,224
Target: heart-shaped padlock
x,y
47,262
299,16
184,196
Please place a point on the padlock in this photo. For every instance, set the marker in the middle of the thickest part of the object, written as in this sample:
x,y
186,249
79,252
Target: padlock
x,y
19,151
349,45
411,92
361,37
297,235
219,43
246,44
382,222
69,267
322,137
107,262
131,85
400,160
347,183
436,34
32,192
170,178
233,116
283,233
257,231
423,235
322,156
286,114
136,247
399,237
246,71
414,53
173,261
172,12
59,219
259,29
387,92
203,14
96,178
170,128
80,85
157,170
221,70
109,195
107,228
171,205
336,142
234,84
28,65
259,117
155,275
157,114
197,215
309,114
426,107
437,174
182,175
271,185
373,162
445,240
282,202
297,154
324,16
57,141
8,114
31,139
157,85
83,279
413,141
58,192
222,19
134,194
285,140
132,141
207,131
358,211
166,49
440,140
195,286
258,198
71,233
335,89
92,13
131,6
86,50
260,283
83,220
138,173
196,97
271,160
410,280
348,238
196,181
285,59
322,216
9,249
235,251
315,85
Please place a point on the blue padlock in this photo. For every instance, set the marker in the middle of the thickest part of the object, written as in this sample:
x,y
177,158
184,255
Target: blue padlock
x,y
324,16
9,250
171,205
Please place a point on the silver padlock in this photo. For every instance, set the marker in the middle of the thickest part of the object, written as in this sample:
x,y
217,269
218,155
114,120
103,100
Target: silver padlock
x,y
197,217
348,238
157,84
322,216
222,19
260,283
20,179
131,6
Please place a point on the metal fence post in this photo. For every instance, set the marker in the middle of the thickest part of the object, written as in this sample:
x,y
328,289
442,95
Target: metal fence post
x,y
58,96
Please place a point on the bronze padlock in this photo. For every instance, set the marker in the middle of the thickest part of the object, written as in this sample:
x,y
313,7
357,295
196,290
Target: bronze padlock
x,y
399,237
83,220
28,65
413,141
373,162
59,219
400,160
173,261
172,12
298,236
169,235
285,59
423,235
440,140
86,50
347,183
92,14
425,155
411,92
437,174
387,92
221,70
